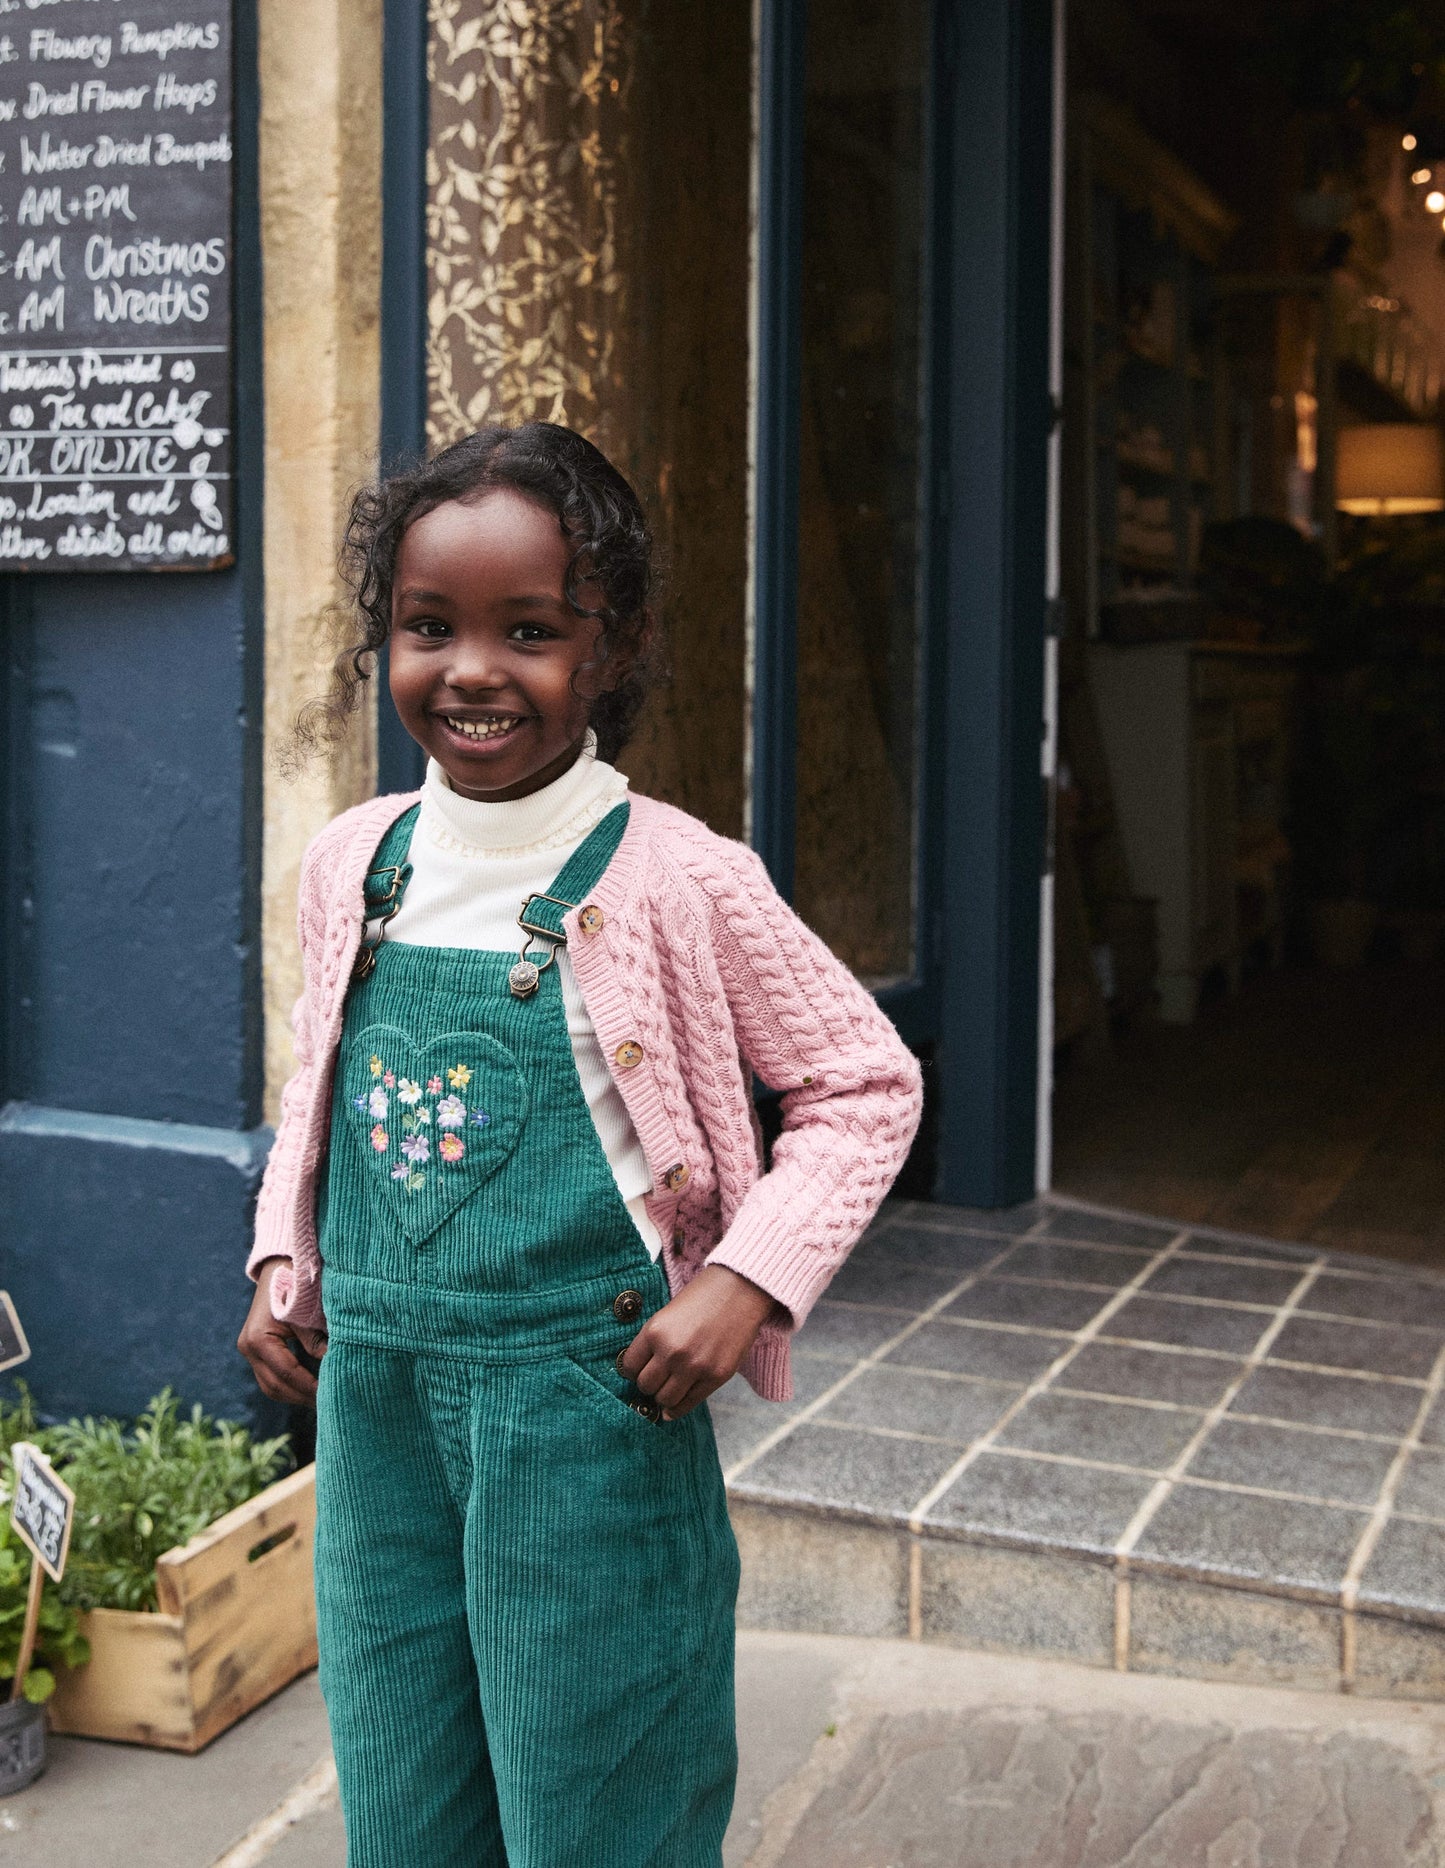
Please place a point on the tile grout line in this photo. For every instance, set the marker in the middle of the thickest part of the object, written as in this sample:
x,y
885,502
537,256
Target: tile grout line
x,y
1079,1340
1162,1487
814,1407
1379,1517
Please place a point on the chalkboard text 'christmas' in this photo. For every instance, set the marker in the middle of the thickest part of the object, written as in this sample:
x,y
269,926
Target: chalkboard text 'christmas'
x,y
115,285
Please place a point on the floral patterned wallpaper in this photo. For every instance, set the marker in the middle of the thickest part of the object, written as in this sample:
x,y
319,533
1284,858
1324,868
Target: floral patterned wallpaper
x,y
528,150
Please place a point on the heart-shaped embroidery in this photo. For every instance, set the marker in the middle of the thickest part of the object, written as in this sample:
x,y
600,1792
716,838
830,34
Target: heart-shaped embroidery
x,y
434,1120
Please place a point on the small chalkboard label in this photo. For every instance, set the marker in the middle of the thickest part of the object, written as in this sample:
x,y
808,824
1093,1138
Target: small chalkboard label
x,y
13,1346
43,1508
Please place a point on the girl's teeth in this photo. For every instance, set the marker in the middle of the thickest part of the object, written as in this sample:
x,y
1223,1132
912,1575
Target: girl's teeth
x,y
483,729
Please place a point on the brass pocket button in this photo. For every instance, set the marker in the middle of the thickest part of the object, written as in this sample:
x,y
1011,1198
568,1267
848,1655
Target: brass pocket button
x,y
629,1054
620,1354
646,1407
676,1178
591,918
627,1306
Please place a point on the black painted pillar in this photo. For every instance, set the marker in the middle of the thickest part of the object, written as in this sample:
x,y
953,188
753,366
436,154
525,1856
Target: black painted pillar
x,y
995,123
131,1073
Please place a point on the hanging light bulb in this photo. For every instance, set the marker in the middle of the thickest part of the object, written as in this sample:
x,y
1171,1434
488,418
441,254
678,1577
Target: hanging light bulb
x,y
1434,201
1421,175
1407,141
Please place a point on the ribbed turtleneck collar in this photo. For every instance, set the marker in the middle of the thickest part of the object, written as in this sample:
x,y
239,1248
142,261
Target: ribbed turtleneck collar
x,y
517,824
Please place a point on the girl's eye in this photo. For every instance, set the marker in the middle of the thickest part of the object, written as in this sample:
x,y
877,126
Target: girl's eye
x,y
533,632
429,628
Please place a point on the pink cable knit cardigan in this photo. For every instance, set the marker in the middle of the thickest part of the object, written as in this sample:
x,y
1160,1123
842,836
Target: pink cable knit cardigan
x,y
700,962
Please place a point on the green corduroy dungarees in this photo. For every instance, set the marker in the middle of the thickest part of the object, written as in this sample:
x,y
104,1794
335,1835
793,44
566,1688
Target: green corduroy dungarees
x,y
525,1588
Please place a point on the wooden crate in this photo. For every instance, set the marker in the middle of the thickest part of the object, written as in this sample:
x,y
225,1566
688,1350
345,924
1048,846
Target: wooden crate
x,y
237,1621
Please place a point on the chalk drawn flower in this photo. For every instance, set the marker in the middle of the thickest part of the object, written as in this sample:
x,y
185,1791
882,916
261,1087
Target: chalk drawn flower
x,y
459,1076
416,1148
451,1112
378,1103
433,1086
390,1079
377,1066
451,1147
480,1118
380,1140
400,1171
408,1092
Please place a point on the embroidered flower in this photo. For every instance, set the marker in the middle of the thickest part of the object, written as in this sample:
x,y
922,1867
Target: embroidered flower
x,y
416,1148
408,1092
459,1076
420,1116
433,1086
377,1066
451,1112
380,1140
390,1079
480,1118
400,1171
378,1103
360,1102
451,1147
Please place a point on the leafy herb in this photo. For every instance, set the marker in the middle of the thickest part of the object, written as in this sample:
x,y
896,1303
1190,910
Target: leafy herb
x,y
59,1638
142,1492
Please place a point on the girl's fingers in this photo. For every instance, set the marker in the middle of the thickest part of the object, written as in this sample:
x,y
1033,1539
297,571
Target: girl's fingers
x,y
278,1372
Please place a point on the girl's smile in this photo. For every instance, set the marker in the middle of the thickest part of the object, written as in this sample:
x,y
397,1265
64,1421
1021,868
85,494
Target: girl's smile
x,y
487,656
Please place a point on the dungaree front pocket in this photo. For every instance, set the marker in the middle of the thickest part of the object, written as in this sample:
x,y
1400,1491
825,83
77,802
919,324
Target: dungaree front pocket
x,y
433,1121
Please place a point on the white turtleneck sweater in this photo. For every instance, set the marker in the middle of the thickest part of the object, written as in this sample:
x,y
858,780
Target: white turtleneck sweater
x,y
473,864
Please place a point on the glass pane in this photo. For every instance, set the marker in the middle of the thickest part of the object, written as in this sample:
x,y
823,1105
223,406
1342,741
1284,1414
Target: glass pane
x,y
859,528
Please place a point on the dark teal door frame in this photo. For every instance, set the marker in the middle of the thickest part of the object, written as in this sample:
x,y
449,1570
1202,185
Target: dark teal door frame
x,y
997,135
974,1000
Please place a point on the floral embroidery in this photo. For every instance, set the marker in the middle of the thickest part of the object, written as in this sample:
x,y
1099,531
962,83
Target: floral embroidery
x,y
450,1114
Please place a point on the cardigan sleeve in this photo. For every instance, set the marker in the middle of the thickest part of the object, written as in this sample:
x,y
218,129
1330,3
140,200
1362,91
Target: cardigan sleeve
x,y
852,1091
276,1199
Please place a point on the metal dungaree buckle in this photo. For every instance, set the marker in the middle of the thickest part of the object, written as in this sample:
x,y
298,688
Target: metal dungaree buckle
x,y
378,909
526,975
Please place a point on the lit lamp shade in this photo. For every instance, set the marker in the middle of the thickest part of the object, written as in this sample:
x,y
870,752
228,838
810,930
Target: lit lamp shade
x,y
1390,467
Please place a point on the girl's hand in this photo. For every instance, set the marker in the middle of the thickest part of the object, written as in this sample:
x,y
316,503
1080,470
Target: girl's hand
x,y
266,1345
693,1345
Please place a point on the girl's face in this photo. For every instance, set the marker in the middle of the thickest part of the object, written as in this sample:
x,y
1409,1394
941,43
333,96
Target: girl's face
x,y
484,645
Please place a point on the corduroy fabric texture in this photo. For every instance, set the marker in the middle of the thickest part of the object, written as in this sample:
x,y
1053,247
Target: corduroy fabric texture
x,y
695,958
525,1589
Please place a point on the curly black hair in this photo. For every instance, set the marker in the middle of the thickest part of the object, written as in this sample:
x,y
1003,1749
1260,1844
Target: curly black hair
x,y
600,515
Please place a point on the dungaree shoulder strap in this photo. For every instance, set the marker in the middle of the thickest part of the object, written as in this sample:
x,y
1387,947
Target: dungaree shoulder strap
x,y
383,889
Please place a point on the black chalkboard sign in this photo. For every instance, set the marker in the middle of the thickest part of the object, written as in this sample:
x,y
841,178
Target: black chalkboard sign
x,y
13,1347
42,1509
115,285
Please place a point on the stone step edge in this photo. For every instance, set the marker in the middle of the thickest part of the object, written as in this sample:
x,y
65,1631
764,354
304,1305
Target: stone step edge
x,y
820,1570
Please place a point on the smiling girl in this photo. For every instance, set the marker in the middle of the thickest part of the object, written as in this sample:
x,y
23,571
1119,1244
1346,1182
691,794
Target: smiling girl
x,y
516,1205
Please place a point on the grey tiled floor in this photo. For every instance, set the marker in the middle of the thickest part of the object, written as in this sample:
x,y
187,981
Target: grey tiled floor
x,y
1058,1378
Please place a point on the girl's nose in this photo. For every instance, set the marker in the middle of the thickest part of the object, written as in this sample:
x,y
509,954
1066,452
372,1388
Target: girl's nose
x,y
475,667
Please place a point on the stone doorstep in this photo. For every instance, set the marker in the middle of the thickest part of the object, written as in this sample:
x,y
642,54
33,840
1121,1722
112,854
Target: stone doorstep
x,y
817,1570
1070,1432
